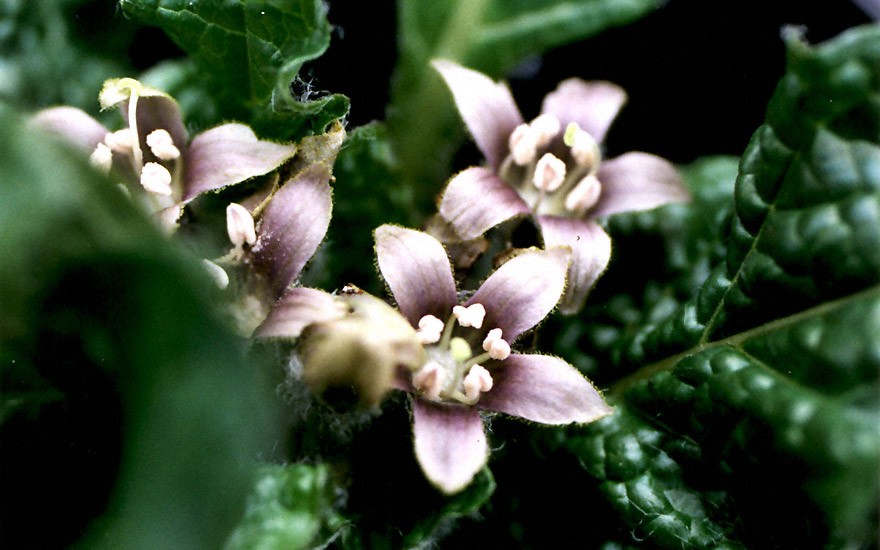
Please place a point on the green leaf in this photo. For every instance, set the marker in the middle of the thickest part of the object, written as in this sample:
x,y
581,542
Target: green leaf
x,y
492,36
251,53
289,507
761,392
131,413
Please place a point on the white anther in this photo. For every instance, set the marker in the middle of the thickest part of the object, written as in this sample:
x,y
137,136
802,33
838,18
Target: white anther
x,y
549,173
477,381
240,225
156,178
546,127
102,158
120,141
523,143
168,218
430,329
217,274
471,316
584,196
585,149
429,380
162,145
497,347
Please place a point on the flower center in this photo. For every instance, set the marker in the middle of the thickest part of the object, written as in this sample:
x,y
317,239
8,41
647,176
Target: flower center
x,y
453,373
553,180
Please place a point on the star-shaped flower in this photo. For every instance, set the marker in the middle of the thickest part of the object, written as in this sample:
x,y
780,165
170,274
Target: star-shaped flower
x,y
469,364
551,169
152,154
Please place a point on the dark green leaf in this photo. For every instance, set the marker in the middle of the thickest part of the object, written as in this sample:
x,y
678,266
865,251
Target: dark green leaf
x,y
762,394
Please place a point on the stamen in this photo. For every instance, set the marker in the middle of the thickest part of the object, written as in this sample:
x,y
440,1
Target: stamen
x,y
471,316
497,347
216,273
102,158
523,143
549,173
137,154
162,145
156,178
546,127
430,328
584,148
120,141
584,196
240,225
429,380
477,381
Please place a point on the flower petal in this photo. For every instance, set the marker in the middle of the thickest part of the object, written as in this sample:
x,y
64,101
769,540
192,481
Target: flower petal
x,y
591,252
593,105
543,389
523,291
450,443
292,226
73,125
229,154
476,200
638,181
416,269
297,309
157,111
486,106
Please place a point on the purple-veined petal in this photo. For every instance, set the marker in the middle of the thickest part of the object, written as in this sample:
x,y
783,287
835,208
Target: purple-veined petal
x,y
157,111
73,125
450,443
520,293
591,252
416,269
297,309
486,106
543,389
229,154
292,226
477,200
637,181
593,105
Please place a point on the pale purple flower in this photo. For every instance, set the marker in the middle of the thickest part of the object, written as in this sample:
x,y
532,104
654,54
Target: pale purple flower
x,y
551,169
152,154
469,366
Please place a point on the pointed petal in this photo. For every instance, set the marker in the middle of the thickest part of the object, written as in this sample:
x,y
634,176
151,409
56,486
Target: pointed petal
x,y
542,389
487,108
593,105
450,443
638,181
297,309
292,226
520,293
73,125
230,154
591,252
477,200
416,269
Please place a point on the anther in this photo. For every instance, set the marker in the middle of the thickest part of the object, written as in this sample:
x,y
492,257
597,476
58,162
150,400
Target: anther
x,y
523,143
471,316
497,347
430,329
429,380
102,158
584,195
162,145
217,273
477,381
240,225
549,173
120,141
546,127
156,178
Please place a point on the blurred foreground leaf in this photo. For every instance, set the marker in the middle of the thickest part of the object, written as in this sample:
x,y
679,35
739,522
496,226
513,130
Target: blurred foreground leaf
x,y
128,411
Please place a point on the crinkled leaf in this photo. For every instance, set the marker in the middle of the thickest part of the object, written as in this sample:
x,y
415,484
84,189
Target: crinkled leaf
x,y
491,36
289,508
762,388
124,397
250,54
